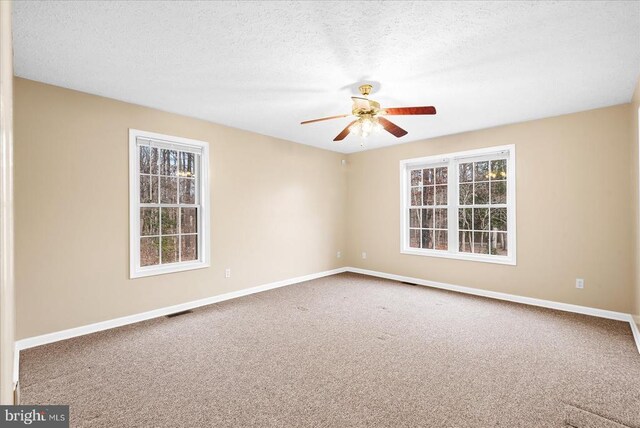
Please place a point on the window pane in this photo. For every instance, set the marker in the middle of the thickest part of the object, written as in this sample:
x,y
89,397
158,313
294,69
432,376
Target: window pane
x,y
498,192
481,242
189,220
427,218
148,160
441,195
466,194
169,249
465,241
145,159
168,162
441,218
499,243
441,175
187,191
427,176
481,218
416,196
414,218
481,171
145,189
149,221
465,219
481,193
499,169
498,219
148,189
427,239
416,177
466,172
149,251
168,190
187,167
169,222
189,247
441,242
414,238
154,160
427,195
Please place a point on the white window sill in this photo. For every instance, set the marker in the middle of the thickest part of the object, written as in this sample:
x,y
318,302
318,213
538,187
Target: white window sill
x,y
502,260
168,268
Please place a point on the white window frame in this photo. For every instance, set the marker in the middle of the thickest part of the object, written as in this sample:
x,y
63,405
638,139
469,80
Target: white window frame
x,y
204,215
452,159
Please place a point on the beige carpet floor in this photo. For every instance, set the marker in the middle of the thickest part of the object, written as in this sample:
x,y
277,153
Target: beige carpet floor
x,y
346,351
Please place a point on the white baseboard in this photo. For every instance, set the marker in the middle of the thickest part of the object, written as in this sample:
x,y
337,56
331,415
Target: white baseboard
x,y
131,319
500,296
567,307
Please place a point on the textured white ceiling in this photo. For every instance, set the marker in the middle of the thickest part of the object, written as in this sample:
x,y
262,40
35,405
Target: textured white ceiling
x,y
266,66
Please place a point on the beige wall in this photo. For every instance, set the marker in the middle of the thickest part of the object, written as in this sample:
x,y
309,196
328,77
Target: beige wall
x,y
574,218
635,142
281,210
278,210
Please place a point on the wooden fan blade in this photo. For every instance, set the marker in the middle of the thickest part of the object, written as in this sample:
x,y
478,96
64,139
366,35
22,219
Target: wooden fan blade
x,y
410,110
344,132
324,118
391,127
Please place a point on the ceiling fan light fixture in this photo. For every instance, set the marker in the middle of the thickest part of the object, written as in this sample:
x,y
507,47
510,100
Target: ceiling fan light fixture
x,y
365,126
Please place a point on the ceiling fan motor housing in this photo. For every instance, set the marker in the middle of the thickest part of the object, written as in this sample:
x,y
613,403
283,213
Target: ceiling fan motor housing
x,y
365,106
365,89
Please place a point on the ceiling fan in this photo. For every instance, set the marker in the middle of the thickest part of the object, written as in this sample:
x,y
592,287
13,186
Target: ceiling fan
x,y
370,117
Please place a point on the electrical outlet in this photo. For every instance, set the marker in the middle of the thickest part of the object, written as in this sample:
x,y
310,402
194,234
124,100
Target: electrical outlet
x,y
579,283
227,273
339,254
364,255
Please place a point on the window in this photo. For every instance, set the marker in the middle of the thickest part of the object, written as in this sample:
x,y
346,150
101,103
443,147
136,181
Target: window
x,y
460,205
169,204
